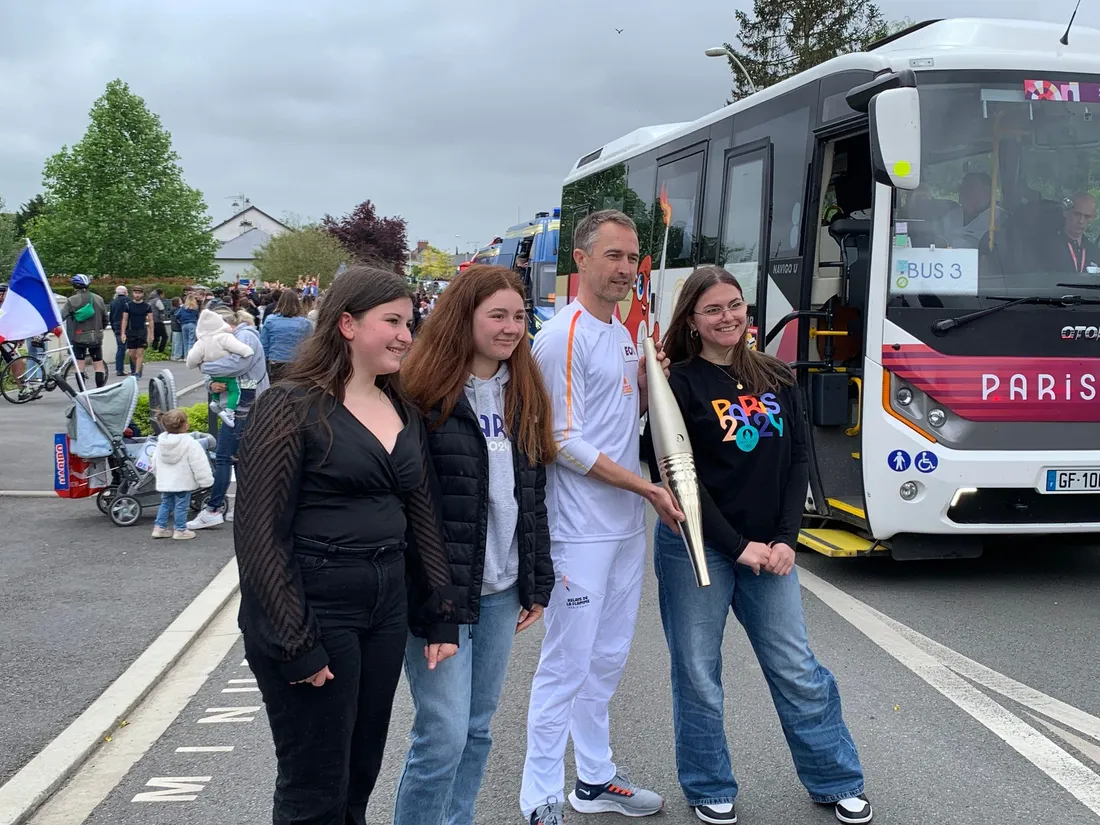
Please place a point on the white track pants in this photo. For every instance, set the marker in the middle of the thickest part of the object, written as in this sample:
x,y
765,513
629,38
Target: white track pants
x,y
589,626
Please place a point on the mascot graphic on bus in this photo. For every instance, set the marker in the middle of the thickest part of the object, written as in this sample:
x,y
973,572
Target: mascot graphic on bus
x,y
634,311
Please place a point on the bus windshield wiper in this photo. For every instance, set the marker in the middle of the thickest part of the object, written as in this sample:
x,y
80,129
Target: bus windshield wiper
x,y
1081,286
942,326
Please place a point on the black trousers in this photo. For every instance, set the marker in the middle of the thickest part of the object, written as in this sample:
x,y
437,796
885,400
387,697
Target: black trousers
x,y
329,740
160,336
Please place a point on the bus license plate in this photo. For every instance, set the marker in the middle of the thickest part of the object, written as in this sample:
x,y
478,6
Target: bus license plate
x,y
1073,481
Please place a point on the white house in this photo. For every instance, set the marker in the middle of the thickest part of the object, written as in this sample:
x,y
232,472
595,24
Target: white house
x,y
240,236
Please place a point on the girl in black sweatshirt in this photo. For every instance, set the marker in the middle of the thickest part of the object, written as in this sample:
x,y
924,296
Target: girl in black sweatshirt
x,y
743,417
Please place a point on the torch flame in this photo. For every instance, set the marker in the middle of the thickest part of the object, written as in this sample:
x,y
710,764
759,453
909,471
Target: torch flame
x,y
666,207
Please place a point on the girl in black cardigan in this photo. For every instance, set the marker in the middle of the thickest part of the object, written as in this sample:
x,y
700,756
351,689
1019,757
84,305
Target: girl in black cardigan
x,y
340,550
489,436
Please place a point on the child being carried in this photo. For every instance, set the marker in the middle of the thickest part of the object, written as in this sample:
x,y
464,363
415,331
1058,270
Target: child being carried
x,y
213,340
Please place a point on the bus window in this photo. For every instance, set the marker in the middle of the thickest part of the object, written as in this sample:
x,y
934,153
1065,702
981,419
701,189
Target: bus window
x,y
742,222
1005,174
681,180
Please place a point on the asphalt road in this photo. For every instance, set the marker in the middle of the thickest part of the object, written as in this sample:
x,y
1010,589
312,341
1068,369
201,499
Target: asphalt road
x,y
80,598
1030,614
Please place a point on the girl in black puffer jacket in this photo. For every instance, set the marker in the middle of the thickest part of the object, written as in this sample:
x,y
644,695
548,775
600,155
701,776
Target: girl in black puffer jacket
x,y
489,438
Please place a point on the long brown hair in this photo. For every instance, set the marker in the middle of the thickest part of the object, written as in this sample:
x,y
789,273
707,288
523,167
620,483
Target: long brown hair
x,y
288,304
322,367
436,370
758,371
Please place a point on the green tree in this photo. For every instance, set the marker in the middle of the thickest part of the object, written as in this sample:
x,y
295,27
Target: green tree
x,y
116,202
436,264
28,212
300,253
11,242
784,37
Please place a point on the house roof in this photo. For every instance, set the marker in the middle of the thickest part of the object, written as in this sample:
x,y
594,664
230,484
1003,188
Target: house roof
x,y
243,247
236,215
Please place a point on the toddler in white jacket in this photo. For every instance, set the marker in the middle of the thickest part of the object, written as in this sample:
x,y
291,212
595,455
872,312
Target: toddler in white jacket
x,y
181,467
214,339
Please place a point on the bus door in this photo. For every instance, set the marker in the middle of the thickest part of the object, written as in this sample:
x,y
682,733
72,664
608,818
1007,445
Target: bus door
x,y
832,330
745,226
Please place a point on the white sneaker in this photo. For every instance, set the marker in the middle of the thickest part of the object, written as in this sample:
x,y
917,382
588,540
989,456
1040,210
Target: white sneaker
x,y
854,810
228,417
162,532
229,516
205,519
183,534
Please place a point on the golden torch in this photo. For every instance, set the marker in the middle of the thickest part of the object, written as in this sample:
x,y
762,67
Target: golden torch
x,y
671,445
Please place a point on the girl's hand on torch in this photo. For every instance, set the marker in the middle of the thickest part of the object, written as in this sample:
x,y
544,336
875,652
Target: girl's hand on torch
x,y
755,556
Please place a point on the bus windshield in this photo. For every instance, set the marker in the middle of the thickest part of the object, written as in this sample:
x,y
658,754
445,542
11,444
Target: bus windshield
x,y
1010,176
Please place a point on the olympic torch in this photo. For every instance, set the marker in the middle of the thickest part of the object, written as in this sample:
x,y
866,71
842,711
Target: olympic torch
x,y
671,445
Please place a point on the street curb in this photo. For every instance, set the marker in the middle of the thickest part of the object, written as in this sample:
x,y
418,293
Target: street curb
x,y
190,388
32,785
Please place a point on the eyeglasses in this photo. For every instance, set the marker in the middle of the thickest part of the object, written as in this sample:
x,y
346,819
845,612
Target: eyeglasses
x,y
714,313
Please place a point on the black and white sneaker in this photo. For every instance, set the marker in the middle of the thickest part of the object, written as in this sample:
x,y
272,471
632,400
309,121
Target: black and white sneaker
x,y
854,810
721,813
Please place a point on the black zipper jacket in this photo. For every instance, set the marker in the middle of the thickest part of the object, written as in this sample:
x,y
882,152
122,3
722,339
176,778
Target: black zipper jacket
x,y
460,461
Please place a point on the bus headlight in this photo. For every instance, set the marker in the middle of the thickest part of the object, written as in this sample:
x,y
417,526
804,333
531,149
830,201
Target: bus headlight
x,y
937,417
905,396
909,491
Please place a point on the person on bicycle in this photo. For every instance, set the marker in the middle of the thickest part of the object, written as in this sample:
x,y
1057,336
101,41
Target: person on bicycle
x,y
85,316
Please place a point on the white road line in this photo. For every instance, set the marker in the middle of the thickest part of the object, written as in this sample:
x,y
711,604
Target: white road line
x,y
241,690
242,681
95,780
1077,719
206,749
32,785
1085,747
1055,762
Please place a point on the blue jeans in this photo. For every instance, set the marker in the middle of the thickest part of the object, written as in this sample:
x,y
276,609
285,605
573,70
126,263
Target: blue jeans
x,y
175,505
454,704
177,345
228,437
805,694
188,337
38,351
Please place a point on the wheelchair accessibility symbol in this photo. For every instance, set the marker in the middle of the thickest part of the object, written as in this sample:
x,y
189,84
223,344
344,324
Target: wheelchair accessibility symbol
x,y
926,461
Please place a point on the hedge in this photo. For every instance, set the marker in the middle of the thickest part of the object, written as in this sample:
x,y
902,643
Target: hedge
x,y
196,415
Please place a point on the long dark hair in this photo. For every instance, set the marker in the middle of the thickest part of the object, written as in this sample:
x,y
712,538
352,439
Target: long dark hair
x,y
437,368
322,368
758,371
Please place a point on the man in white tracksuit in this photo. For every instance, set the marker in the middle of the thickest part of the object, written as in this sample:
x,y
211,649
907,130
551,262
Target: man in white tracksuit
x,y
595,501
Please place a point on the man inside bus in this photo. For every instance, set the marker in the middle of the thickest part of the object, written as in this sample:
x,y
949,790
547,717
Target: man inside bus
x,y
965,224
1071,250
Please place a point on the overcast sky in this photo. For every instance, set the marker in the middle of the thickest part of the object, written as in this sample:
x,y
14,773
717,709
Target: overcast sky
x,y
457,116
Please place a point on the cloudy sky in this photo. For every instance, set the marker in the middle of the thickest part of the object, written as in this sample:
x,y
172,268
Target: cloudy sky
x,y
457,116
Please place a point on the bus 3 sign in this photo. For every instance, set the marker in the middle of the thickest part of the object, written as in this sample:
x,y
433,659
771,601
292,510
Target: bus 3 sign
x,y
936,271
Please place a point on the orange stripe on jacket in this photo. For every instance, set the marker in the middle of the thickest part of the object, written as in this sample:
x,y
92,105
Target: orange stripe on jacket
x,y
569,374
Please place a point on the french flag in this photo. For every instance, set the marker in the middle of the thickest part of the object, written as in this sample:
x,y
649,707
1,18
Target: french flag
x,y
29,308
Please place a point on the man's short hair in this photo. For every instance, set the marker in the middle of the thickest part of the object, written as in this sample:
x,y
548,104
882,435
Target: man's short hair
x,y
584,236
120,290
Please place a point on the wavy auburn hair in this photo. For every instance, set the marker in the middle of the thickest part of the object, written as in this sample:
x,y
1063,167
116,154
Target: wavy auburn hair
x,y
435,373
758,371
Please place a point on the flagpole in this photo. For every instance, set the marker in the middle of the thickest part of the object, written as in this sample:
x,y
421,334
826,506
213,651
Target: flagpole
x,y
63,325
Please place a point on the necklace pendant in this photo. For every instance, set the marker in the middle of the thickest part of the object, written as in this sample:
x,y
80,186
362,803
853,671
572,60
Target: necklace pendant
x,y
739,386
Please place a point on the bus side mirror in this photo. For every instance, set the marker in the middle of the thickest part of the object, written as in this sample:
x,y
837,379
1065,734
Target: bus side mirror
x,y
895,137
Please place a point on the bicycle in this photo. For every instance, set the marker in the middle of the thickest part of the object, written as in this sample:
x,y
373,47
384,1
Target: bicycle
x,y
24,378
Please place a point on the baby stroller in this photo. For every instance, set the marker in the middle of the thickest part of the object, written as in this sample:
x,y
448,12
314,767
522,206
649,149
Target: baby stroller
x,y
110,457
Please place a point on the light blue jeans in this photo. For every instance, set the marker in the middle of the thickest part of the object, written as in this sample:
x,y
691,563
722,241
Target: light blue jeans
x,y
805,694
188,337
454,705
174,505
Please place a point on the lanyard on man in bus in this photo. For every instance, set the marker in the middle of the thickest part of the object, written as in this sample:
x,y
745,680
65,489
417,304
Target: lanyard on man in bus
x,y
1078,265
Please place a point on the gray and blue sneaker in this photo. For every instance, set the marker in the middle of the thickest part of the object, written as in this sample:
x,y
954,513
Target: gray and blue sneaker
x,y
620,796
552,813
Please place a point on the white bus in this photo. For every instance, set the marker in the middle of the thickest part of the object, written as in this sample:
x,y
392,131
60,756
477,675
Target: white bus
x,y
909,225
